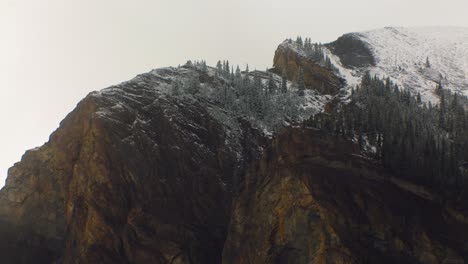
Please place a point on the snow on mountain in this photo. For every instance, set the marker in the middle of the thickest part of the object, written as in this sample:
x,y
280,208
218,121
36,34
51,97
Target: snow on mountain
x,y
159,82
401,54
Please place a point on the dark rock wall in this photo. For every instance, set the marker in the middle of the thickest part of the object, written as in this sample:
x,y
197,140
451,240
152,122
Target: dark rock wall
x,y
352,51
131,176
313,199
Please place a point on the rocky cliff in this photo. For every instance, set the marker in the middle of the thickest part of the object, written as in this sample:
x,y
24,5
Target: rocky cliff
x,y
313,199
289,60
133,175
352,51
138,174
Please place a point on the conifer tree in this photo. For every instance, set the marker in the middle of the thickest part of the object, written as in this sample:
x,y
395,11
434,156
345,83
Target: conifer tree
x,y
284,83
219,68
227,69
301,83
428,64
192,85
271,85
299,41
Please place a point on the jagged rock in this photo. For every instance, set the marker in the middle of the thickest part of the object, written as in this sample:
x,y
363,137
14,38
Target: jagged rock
x,y
313,199
133,175
352,51
289,60
136,175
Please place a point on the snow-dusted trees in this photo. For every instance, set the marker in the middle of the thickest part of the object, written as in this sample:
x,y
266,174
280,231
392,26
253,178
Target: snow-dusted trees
x,y
261,96
301,83
272,86
315,52
225,95
255,95
192,85
227,69
176,87
413,139
203,66
299,41
284,83
219,67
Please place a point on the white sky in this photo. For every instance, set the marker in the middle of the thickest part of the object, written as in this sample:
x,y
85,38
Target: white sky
x,y
53,52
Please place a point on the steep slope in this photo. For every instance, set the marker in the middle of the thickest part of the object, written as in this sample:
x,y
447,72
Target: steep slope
x,y
313,199
289,59
132,175
401,54
148,172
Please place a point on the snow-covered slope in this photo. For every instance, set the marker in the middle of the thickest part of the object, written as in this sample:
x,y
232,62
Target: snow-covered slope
x,y
401,53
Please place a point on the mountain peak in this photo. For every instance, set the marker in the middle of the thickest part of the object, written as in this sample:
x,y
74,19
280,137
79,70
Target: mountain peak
x,y
415,58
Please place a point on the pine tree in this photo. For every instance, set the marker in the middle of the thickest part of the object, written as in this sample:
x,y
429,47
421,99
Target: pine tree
x,y
219,68
428,64
192,85
299,41
238,73
442,110
284,83
227,69
418,98
271,85
176,88
301,83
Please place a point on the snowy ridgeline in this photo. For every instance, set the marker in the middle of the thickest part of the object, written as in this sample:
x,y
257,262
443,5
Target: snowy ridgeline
x,y
414,58
417,58
266,99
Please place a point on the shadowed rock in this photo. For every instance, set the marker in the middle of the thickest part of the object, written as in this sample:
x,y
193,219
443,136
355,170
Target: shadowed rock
x,y
132,175
352,51
313,199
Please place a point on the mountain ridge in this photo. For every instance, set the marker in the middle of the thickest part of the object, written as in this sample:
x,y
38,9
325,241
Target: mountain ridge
x,y
195,164
400,53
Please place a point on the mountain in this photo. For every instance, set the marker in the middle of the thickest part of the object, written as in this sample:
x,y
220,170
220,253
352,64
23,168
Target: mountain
x,y
132,175
402,54
313,198
414,58
195,164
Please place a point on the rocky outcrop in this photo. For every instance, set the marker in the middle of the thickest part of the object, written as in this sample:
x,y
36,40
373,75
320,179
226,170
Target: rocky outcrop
x,y
136,174
289,60
132,175
352,51
313,199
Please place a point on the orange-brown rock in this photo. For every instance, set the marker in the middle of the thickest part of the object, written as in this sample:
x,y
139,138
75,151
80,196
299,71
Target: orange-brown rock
x,y
135,175
288,60
313,199
131,176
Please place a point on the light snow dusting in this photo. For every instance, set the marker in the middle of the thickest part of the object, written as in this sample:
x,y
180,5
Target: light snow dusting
x,y
401,54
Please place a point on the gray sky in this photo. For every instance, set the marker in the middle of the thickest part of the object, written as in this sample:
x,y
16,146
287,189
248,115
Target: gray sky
x,y
53,52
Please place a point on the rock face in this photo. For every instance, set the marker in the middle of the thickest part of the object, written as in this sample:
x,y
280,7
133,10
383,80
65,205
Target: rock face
x,y
137,175
131,176
352,51
313,199
288,60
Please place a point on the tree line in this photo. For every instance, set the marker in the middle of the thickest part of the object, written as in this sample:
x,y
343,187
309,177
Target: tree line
x,y
267,100
418,141
314,51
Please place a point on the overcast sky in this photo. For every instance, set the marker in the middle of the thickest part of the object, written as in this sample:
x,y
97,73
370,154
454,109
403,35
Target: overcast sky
x,y
53,52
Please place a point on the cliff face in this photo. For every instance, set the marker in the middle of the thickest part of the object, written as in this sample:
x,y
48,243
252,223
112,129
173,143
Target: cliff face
x,y
313,199
289,60
131,176
352,51
137,175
